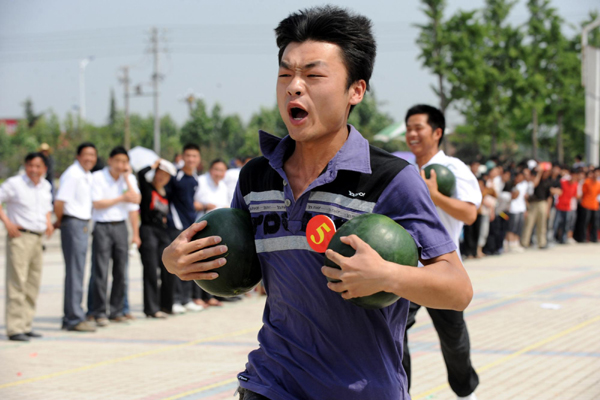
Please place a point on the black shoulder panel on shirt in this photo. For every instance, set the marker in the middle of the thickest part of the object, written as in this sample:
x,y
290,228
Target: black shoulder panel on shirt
x,y
367,187
258,176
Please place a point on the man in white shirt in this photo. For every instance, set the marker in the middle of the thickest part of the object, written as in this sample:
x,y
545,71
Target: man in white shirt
x,y
73,209
424,134
28,200
115,198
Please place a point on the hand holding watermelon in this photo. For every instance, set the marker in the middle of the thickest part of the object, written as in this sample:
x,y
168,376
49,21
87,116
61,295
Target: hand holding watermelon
x,y
361,275
185,257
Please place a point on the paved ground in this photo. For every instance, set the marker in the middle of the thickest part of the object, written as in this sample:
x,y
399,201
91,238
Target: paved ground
x,y
534,325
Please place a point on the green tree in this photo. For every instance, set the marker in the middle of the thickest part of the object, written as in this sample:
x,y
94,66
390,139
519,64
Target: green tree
x,y
434,48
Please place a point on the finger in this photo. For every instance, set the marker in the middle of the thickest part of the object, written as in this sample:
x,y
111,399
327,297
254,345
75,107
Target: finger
x,y
353,241
332,273
200,244
336,257
200,276
204,254
202,266
433,174
339,287
189,233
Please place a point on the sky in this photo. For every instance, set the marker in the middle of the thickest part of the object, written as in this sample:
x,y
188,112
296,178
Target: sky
x,y
222,51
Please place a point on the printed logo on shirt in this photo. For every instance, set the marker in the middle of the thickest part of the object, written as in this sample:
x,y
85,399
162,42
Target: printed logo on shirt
x,y
243,378
359,194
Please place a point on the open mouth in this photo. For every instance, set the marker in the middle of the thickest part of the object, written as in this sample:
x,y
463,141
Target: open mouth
x,y
298,114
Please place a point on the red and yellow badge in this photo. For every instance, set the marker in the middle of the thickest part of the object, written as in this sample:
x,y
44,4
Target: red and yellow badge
x,y
319,231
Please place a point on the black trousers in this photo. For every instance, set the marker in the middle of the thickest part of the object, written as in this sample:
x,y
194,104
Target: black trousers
x,y
110,241
586,219
471,235
246,394
456,348
154,241
498,229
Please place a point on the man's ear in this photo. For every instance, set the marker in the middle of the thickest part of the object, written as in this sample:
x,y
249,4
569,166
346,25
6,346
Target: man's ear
x,y
357,91
437,134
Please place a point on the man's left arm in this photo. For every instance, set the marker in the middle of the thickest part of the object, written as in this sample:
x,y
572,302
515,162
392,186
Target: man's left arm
x,y
464,211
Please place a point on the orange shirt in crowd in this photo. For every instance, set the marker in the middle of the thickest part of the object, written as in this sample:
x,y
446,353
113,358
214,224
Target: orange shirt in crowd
x,y
590,190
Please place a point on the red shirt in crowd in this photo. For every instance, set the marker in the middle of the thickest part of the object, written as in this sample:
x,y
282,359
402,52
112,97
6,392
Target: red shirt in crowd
x,y
569,190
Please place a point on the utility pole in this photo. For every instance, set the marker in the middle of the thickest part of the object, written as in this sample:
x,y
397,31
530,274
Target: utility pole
x,y
155,79
590,74
125,81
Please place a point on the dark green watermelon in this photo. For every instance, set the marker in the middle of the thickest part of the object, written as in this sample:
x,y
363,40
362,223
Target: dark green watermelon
x,y
242,271
386,237
445,178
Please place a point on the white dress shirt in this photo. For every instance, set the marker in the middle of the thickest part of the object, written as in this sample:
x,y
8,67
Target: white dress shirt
x,y
231,179
518,204
467,189
76,191
210,193
105,187
27,204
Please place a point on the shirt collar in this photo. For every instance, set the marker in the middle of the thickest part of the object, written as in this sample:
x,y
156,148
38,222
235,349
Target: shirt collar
x,y
353,156
436,159
109,176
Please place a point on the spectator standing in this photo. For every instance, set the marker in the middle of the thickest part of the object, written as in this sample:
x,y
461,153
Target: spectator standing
x,y
564,207
28,200
537,214
73,209
115,198
212,192
589,208
154,209
516,212
182,213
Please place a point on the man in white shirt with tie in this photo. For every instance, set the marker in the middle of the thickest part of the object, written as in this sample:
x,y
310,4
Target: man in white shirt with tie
x,y
28,200
115,198
73,209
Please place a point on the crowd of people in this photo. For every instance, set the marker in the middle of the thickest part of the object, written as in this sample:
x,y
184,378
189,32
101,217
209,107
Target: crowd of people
x,y
558,202
157,203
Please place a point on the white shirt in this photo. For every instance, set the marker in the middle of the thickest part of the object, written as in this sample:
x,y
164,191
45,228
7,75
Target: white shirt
x,y
76,191
210,193
467,189
518,204
105,187
27,204
231,179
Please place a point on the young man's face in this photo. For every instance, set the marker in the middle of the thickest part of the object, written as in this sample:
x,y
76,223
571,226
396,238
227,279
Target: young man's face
x,y
118,164
87,158
312,93
35,169
420,136
191,158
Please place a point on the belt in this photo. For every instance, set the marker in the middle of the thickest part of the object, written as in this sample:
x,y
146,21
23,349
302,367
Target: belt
x,y
32,232
110,222
79,219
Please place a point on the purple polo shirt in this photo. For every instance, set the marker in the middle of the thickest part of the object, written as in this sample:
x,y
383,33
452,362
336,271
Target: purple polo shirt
x,y
314,344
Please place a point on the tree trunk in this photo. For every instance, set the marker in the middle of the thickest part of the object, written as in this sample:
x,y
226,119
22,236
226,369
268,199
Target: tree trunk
x,y
534,135
559,138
